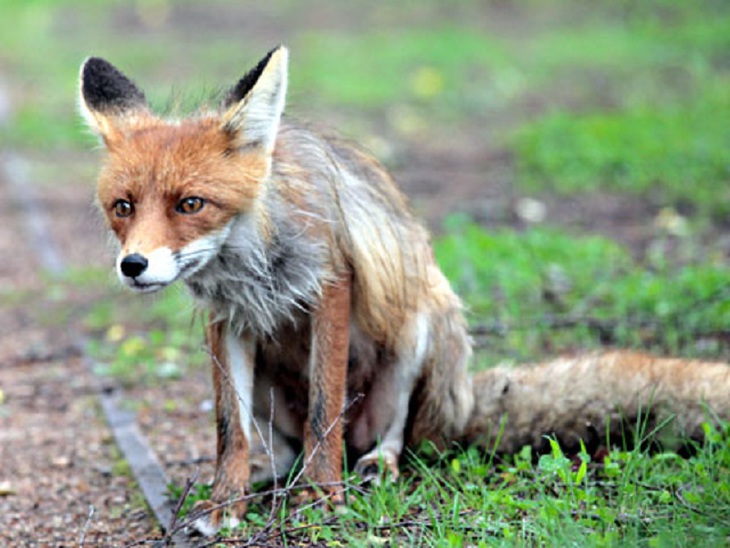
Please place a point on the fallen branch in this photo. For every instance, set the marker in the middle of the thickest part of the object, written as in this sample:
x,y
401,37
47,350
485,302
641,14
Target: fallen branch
x,y
189,483
82,538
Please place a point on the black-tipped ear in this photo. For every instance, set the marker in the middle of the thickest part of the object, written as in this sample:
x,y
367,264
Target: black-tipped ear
x,y
105,89
245,84
255,105
109,101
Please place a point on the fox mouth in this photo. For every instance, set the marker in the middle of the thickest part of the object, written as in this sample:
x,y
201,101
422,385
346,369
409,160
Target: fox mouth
x,y
142,287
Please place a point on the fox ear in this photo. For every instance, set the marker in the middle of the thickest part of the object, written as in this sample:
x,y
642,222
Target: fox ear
x,y
108,100
254,106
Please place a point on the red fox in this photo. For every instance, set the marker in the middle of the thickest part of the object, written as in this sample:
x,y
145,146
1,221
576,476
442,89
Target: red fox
x,y
328,315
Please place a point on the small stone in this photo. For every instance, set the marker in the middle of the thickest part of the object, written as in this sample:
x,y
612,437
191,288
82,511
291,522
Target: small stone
x,y
6,489
531,210
61,461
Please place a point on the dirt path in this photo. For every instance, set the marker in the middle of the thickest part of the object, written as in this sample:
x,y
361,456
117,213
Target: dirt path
x,y
61,480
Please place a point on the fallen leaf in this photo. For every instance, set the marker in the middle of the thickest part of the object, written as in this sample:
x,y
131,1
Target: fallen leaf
x,y
115,333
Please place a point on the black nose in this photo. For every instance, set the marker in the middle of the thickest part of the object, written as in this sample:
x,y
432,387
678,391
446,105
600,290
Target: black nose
x,y
133,265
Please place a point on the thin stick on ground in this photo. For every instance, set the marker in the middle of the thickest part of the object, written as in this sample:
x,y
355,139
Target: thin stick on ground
x,y
292,485
87,523
272,459
189,483
227,378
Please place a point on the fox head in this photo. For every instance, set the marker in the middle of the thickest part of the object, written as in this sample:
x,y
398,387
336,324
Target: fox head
x,y
171,190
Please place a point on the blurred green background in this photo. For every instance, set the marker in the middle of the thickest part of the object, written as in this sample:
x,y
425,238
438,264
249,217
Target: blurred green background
x,y
572,158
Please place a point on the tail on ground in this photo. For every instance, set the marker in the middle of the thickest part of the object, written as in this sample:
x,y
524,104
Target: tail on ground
x,y
611,398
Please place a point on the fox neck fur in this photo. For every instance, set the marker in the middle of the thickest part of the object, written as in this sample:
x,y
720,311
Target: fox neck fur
x,y
271,266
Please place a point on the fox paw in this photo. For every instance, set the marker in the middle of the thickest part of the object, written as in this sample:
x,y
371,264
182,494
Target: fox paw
x,y
208,517
331,498
377,466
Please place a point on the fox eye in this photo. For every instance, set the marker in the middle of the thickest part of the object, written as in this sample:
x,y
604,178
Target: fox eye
x,y
190,205
123,208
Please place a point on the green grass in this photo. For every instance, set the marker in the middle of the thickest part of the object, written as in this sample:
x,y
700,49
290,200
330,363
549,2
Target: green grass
x,y
544,290
431,66
676,155
638,48
466,499
645,108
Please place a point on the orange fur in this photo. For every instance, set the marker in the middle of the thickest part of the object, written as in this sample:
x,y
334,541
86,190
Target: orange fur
x,y
328,379
185,160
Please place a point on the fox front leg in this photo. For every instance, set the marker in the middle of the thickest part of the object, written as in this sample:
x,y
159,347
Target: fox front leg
x,y
323,430
233,363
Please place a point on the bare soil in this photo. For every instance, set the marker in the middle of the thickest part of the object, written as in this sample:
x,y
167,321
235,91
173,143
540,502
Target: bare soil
x,y
61,479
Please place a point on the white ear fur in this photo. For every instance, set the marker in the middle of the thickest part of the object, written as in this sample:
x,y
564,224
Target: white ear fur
x,y
86,113
254,120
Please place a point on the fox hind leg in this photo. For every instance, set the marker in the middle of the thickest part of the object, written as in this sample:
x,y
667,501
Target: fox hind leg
x,y
396,386
272,457
387,452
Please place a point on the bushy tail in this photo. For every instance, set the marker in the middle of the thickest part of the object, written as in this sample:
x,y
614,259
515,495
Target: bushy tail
x,y
615,397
